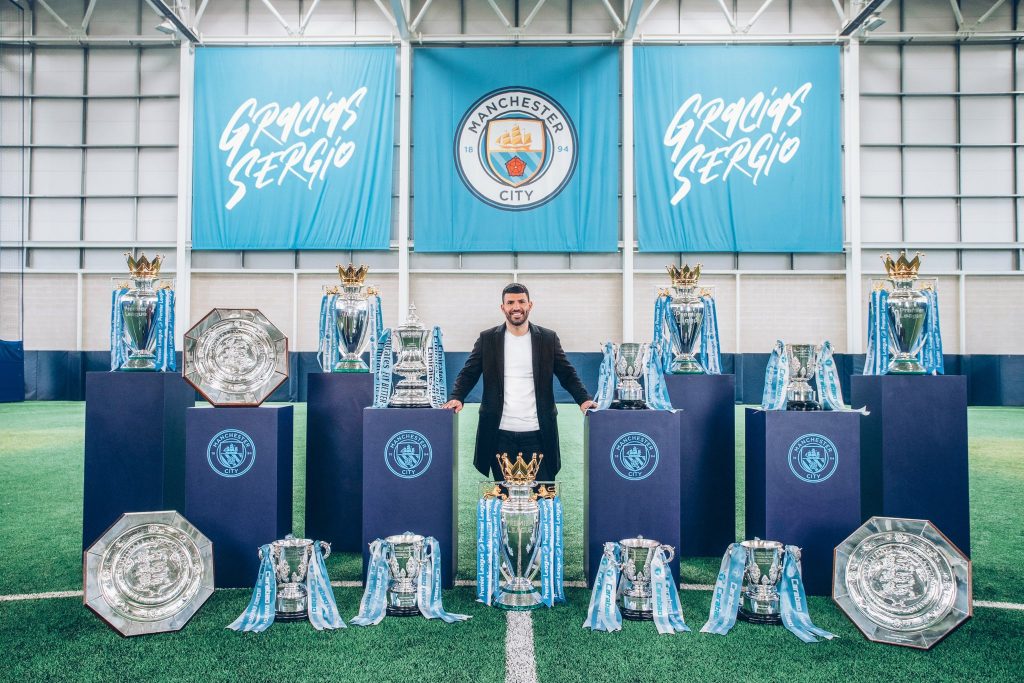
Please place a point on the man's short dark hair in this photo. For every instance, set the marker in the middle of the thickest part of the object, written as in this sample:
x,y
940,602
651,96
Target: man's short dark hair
x,y
515,288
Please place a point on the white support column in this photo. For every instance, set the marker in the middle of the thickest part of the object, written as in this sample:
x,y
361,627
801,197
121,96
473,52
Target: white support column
x,y
404,135
851,142
627,190
961,302
183,249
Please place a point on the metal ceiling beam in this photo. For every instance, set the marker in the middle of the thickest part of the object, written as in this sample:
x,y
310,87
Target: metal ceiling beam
x,y
161,8
277,15
53,13
88,15
533,13
632,19
497,10
957,14
613,15
305,19
386,13
728,15
839,9
647,12
855,23
419,16
401,20
758,13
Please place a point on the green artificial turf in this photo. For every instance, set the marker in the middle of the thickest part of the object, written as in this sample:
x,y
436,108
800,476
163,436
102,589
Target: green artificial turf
x,y
41,448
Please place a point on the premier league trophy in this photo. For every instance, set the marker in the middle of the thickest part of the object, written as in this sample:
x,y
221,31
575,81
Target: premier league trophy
x,y
291,558
411,340
520,537
138,313
635,585
906,310
630,359
763,569
351,317
406,558
803,364
686,315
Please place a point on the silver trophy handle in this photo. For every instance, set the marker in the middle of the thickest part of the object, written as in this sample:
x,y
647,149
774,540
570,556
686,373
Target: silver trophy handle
x,y
325,549
669,551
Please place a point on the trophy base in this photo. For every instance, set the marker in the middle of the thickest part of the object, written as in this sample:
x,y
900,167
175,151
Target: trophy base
x,y
686,367
148,364
802,405
751,617
628,405
356,365
402,611
637,614
291,616
518,601
906,367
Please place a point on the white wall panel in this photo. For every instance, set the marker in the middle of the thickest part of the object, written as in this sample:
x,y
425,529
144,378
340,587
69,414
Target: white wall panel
x,y
930,172
157,219
111,122
929,120
56,122
991,325
796,309
158,122
50,312
58,72
158,171
881,220
108,220
880,171
987,220
113,72
880,120
929,68
986,68
56,171
880,68
110,171
986,171
55,219
930,220
986,120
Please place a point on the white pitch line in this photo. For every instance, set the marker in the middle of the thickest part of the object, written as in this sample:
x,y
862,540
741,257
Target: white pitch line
x,y
520,661
41,596
998,605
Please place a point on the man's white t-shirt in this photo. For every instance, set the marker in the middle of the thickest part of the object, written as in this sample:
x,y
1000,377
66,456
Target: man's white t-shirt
x,y
519,411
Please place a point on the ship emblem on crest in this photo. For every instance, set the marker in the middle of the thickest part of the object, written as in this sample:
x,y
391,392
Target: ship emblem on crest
x,y
515,149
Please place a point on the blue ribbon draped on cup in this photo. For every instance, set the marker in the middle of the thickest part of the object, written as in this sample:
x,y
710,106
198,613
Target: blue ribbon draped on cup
x,y
383,370
668,613
603,613
259,615
776,377
428,588
655,388
606,377
163,324
710,348
374,601
437,384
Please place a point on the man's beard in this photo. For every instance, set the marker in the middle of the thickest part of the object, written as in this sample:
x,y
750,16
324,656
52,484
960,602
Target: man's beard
x,y
519,323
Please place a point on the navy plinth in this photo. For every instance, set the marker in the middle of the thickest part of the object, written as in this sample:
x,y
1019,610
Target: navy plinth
x,y
134,446
410,478
915,450
334,457
800,490
628,490
708,461
239,500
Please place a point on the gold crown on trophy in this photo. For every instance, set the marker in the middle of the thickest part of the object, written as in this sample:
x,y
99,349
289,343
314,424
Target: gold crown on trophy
x,y
901,268
519,472
352,275
142,267
684,277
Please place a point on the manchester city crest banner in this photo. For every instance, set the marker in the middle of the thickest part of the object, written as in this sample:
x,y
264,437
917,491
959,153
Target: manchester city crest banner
x,y
738,148
293,147
515,149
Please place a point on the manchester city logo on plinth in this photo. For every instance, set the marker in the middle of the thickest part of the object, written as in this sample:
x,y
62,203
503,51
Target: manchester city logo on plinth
x,y
407,454
231,453
634,456
813,458
515,148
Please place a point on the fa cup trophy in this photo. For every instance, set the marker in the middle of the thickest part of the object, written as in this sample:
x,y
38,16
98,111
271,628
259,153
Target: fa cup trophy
x,y
629,367
906,310
411,344
351,317
803,363
686,315
138,311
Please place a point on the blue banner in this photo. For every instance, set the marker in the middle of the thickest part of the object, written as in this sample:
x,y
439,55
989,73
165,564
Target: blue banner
x,y
738,148
515,149
293,147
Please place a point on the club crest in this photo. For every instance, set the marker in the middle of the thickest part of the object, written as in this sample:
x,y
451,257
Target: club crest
x,y
634,456
813,458
231,453
407,454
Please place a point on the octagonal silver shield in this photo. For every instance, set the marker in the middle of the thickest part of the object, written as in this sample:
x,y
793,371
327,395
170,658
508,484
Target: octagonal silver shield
x,y
902,582
235,357
148,573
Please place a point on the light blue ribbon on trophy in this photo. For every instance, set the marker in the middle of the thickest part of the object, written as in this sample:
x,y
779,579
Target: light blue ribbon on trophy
x,y
328,352
488,536
603,613
776,377
725,601
428,587
606,377
376,328
931,352
373,603
437,383
656,389
827,377
383,376
793,601
551,551
163,329
661,331
710,348
259,615
668,613
877,360
321,607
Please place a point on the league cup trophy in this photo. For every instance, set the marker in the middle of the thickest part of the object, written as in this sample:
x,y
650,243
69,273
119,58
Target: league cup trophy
x,y
406,558
138,311
907,309
686,315
291,557
629,367
411,341
803,363
351,316
520,537
759,602
635,584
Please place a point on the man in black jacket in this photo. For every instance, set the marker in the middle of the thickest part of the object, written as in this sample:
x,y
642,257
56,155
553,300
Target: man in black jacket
x,y
517,414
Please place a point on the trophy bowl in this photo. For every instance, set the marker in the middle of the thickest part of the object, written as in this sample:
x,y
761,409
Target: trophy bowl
x,y
290,558
759,601
630,358
635,584
803,363
406,558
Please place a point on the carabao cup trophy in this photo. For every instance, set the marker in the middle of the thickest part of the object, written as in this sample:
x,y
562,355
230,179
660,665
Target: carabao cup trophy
x,y
803,364
411,339
406,558
906,310
759,603
352,318
630,361
142,319
635,584
520,537
291,558
686,315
